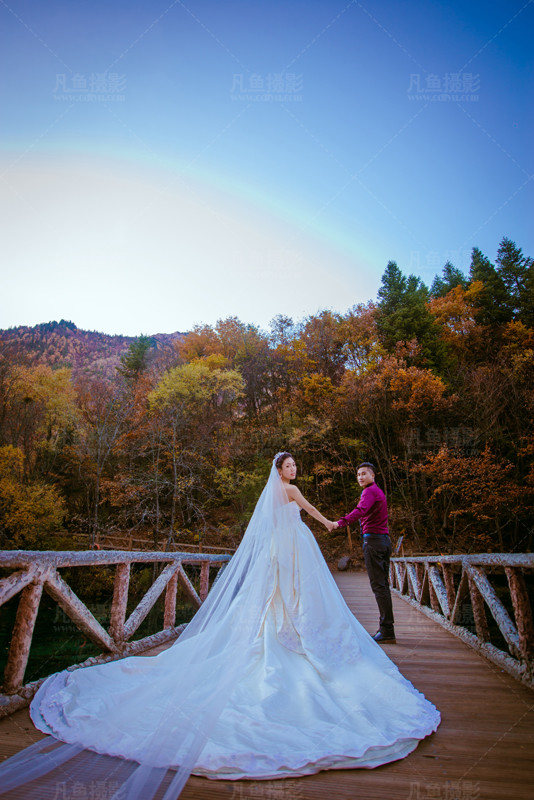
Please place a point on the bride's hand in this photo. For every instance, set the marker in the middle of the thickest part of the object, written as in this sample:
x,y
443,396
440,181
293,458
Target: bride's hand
x,y
331,526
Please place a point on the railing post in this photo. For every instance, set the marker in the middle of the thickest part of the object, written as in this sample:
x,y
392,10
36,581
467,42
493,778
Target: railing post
x,y
22,637
188,586
204,580
448,579
38,570
447,595
119,602
479,610
169,617
434,602
522,610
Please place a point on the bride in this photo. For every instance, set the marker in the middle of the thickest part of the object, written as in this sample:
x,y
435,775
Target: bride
x,y
274,677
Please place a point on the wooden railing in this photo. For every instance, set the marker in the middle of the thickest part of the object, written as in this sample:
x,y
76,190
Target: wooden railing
x,y
128,541
444,586
36,571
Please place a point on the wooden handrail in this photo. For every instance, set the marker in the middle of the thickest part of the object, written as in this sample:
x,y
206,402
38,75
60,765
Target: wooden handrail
x,y
440,585
127,541
37,570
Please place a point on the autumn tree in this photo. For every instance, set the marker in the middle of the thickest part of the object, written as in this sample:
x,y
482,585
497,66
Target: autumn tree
x,y
104,411
323,337
195,404
456,315
473,497
387,413
202,341
282,330
30,511
38,415
244,347
358,331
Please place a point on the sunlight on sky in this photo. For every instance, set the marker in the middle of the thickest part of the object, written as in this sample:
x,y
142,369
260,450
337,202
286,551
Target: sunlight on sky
x,y
162,166
157,253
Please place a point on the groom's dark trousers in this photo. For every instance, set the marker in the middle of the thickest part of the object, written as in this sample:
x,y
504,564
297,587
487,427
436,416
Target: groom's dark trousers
x,y
376,554
372,513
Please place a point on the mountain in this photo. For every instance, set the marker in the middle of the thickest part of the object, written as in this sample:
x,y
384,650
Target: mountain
x,y
62,344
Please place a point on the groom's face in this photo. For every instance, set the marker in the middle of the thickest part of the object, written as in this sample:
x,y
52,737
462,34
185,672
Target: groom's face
x,y
365,476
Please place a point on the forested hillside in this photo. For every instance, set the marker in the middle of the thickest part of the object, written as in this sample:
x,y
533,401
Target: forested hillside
x,y
434,385
62,344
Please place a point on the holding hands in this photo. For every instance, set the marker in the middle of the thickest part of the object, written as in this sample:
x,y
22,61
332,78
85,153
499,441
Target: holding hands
x,y
332,526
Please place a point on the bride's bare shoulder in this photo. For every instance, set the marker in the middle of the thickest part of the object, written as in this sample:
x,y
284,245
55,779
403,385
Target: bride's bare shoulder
x,y
292,492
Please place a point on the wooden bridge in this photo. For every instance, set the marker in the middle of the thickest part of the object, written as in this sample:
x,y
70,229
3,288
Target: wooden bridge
x,y
483,749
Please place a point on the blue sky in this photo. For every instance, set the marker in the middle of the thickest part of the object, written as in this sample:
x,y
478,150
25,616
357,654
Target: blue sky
x,y
170,163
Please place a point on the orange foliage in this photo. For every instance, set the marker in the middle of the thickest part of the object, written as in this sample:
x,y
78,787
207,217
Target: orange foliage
x,y
412,390
478,487
455,312
202,341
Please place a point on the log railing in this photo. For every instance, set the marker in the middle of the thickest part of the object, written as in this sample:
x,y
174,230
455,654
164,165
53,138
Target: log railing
x,y
128,541
35,571
444,586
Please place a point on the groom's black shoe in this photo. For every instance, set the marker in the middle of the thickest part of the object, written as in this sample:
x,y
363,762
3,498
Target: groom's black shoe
x,y
383,638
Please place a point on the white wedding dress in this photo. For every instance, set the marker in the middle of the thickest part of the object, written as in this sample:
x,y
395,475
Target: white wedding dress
x,y
274,677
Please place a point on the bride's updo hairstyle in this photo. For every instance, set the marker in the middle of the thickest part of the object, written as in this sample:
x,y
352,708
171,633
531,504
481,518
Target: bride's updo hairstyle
x,y
280,458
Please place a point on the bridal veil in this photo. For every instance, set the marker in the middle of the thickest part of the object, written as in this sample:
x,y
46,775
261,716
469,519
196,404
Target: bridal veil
x,y
273,677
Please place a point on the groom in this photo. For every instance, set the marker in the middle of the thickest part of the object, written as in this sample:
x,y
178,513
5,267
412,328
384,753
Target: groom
x,y
372,511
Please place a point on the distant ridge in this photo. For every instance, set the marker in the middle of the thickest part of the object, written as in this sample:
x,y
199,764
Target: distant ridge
x,y
63,344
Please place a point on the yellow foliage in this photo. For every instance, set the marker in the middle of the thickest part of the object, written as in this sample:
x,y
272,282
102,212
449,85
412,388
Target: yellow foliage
x,y
518,337
28,512
196,384
213,361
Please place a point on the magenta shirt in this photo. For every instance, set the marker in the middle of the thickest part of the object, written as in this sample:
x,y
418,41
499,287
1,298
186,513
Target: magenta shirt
x,y
372,511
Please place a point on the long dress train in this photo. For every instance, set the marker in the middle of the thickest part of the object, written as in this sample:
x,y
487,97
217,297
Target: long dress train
x,y
274,677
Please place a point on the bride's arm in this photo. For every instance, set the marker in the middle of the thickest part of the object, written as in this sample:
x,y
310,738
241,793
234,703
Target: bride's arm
x,y
294,494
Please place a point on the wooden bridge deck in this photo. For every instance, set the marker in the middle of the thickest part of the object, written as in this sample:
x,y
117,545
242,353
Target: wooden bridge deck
x,y
483,749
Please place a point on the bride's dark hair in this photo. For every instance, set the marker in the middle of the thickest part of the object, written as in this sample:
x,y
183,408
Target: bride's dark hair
x,y
280,458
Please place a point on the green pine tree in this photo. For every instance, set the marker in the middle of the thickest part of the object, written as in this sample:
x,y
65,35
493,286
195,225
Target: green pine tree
x,y
135,361
517,274
403,316
495,306
451,277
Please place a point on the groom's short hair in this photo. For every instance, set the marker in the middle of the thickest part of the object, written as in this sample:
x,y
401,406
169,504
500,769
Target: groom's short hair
x,y
368,465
